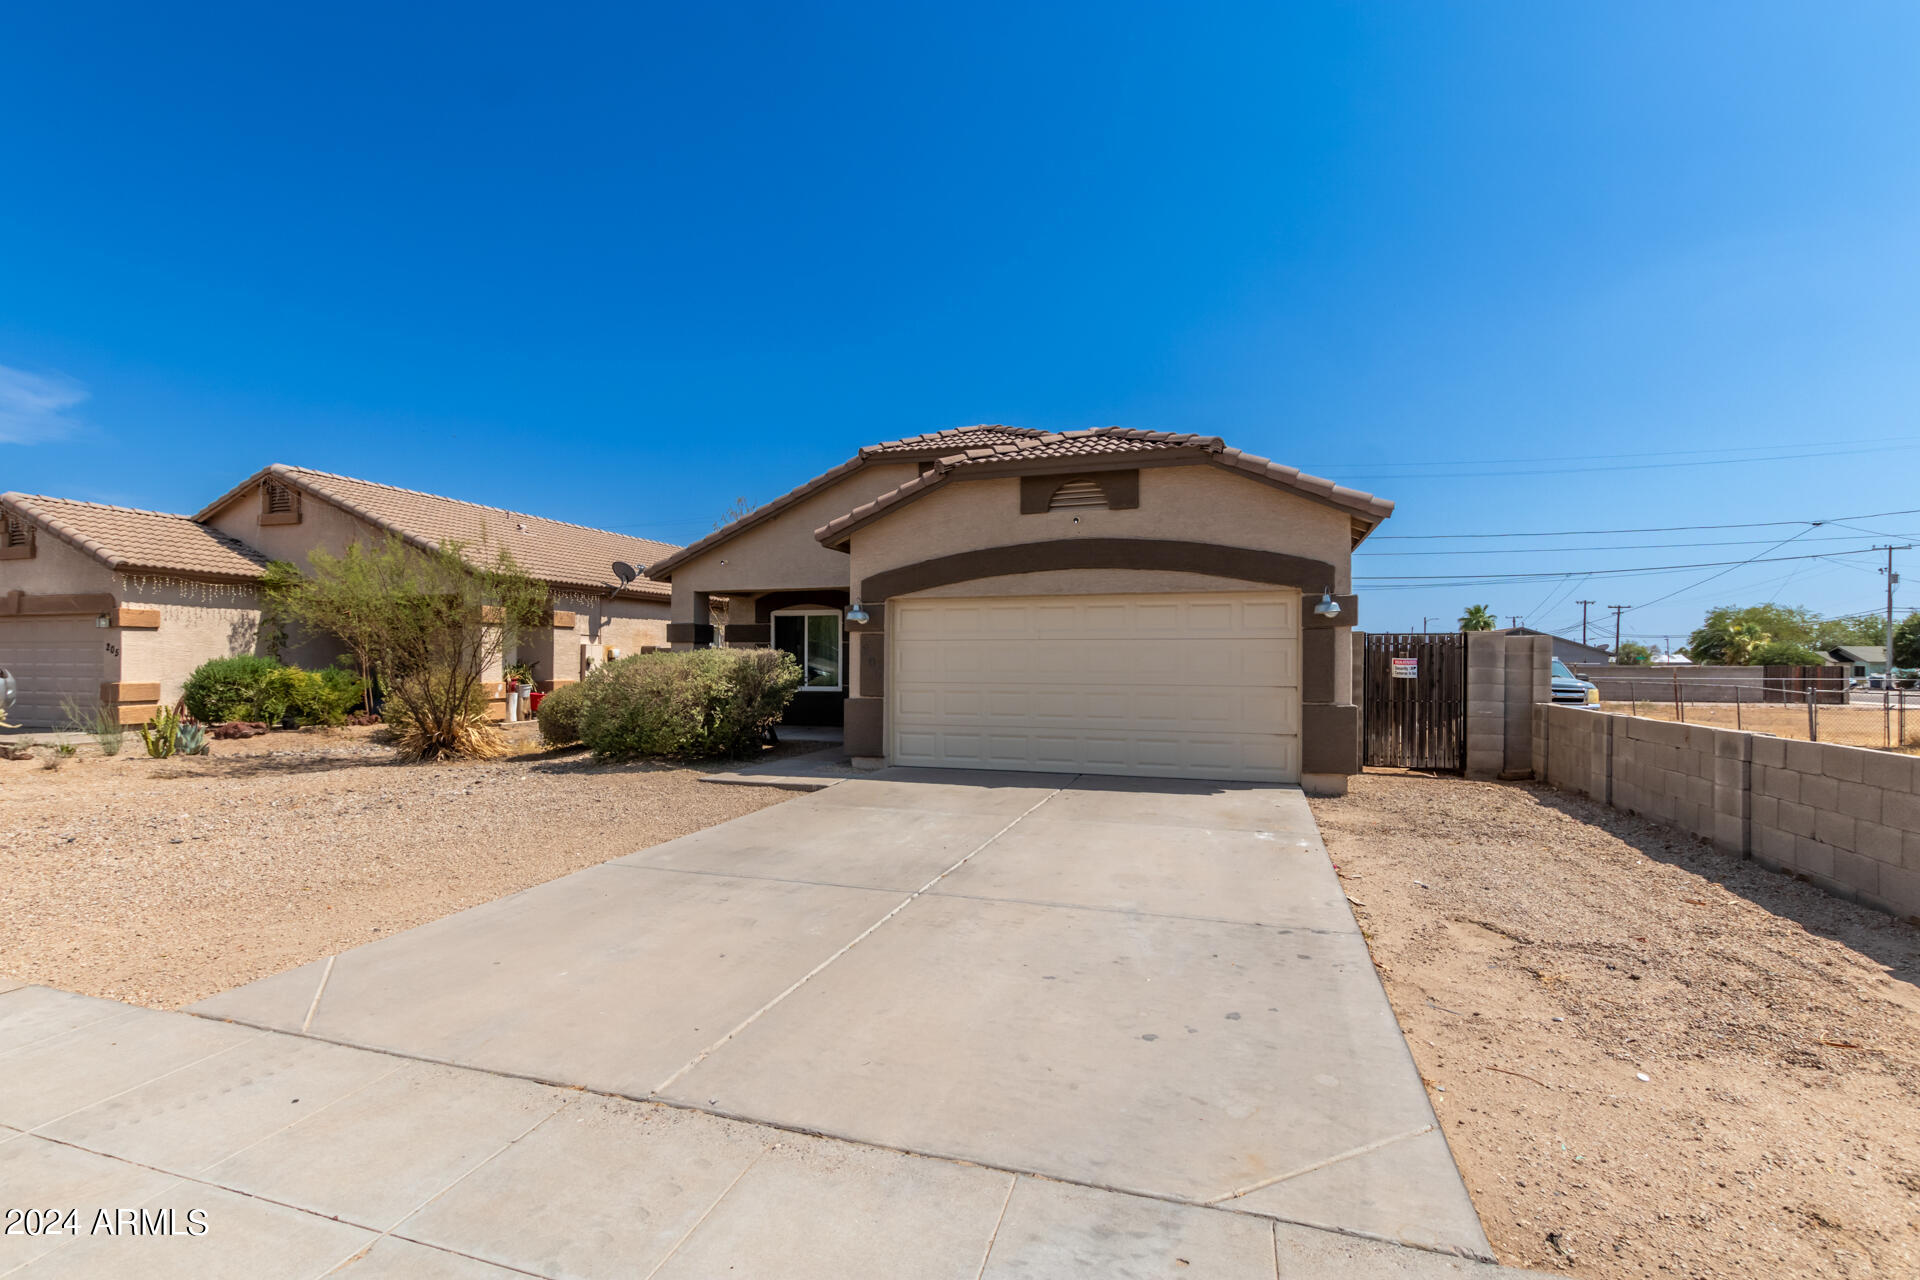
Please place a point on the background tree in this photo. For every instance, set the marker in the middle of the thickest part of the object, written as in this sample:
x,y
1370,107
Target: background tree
x,y
1633,654
1906,641
430,623
1785,653
1729,636
1866,629
1784,624
1478,617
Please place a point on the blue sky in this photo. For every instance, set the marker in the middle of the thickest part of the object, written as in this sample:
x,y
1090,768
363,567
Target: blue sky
x,y
1512,265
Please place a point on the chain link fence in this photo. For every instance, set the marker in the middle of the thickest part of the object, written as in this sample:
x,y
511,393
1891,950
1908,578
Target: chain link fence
x,y
1888,718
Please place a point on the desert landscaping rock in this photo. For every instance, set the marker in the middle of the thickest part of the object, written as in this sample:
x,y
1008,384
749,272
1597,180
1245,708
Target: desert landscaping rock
x,y
1778,1134
297,846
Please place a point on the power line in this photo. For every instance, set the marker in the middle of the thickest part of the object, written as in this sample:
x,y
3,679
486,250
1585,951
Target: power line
x,y
1730,568
1645,453
1361,470
1469,578
1625,546
1671,528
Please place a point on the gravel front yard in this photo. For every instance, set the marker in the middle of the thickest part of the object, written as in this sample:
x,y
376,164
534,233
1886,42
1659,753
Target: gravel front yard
x,y
162,881
1544,954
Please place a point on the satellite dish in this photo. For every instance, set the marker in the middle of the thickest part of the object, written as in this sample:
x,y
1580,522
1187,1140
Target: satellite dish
x,y
624,571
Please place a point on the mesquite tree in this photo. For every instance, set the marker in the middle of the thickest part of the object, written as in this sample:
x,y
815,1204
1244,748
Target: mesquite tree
x,y
430,622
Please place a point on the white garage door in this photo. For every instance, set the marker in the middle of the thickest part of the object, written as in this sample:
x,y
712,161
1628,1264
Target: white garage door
x,y
53,661
1182,686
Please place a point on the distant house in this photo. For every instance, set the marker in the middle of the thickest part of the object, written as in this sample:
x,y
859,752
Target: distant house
x,y
1568,651
110,606
1860,659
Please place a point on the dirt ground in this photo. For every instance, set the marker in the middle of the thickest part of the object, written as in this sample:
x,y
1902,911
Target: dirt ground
x,y
1856,724
1650,1059
158,882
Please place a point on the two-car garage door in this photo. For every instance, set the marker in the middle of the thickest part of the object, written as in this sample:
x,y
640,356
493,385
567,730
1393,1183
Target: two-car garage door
x,y
1202,686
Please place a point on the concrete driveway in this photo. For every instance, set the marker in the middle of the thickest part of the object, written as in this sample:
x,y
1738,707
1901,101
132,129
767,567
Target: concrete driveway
x,y
1080,1024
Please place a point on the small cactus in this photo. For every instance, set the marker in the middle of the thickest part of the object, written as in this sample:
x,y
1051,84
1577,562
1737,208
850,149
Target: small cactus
x,y
161,734
191,739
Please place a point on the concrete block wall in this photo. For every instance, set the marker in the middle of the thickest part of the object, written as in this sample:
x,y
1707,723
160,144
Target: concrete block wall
x,y
1845,818
1506,677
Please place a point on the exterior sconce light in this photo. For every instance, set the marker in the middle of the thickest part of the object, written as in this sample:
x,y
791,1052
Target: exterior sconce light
x,y
1328,606
857,613
100,621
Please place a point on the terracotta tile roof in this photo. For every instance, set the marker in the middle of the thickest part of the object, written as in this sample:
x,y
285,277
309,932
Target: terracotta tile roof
x,y
134,541
953,440
552,550
987,445
927,446
1106,442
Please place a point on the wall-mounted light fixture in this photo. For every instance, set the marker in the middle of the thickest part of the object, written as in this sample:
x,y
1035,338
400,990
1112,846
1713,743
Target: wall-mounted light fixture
x,y
1328,606
857,613
101,621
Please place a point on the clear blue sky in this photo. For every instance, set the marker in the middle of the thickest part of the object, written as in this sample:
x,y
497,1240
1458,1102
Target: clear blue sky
x,y
624,266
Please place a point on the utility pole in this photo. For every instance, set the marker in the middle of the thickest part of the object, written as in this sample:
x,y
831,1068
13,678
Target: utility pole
x,y
1886,681
1423,624
1618,609
1514,618
1583,619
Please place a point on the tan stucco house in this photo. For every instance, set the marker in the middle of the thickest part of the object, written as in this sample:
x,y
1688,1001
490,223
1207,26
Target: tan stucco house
x,y
1103,601
118,606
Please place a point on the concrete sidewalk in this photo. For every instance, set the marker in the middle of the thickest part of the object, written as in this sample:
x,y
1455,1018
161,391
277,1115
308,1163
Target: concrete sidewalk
x,y
221,1151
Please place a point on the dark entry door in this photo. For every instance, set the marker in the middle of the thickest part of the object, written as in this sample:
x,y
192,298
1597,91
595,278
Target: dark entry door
x,y
1416,701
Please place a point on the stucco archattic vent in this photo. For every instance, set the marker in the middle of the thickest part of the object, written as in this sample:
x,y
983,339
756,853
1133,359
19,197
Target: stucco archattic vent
x,y
1078,493
16,538
279,503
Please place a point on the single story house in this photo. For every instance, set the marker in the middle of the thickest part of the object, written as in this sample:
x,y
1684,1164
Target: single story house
x,y
1568,651
115,606
1860,659
1103,601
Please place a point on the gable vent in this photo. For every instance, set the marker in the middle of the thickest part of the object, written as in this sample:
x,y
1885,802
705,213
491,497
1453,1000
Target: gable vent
x,y
1078,493
16,538
279,503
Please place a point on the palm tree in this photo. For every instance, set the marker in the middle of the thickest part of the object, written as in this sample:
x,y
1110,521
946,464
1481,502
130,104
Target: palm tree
x,y
1477,618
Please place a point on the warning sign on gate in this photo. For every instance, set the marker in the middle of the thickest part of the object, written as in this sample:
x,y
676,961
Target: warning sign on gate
x,y
1406,668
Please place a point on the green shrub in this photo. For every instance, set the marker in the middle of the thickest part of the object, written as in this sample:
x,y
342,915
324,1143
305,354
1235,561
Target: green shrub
x,y
225,688
251,688
559,714
704,702
324,696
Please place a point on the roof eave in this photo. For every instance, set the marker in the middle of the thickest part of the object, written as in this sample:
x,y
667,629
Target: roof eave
x,y
664,570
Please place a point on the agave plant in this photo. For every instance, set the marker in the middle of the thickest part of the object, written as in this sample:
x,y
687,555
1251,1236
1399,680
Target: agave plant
x,y
191,739
162,732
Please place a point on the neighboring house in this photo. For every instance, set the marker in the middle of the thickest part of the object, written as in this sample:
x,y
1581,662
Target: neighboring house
x,y
118,606
1860,659
1568,651
1104,601
109,605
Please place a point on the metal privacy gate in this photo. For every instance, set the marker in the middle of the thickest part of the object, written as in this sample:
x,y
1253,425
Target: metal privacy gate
x,y
1416,701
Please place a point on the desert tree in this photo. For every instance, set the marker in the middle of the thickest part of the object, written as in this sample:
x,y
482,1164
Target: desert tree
x,y
429,622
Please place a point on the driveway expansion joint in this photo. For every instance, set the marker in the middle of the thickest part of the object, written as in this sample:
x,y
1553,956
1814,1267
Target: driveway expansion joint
x,y
864,934
1361,1150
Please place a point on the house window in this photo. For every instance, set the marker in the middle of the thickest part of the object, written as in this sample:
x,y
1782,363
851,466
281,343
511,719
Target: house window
x,y
813,637
1078,493
16,538
279,503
